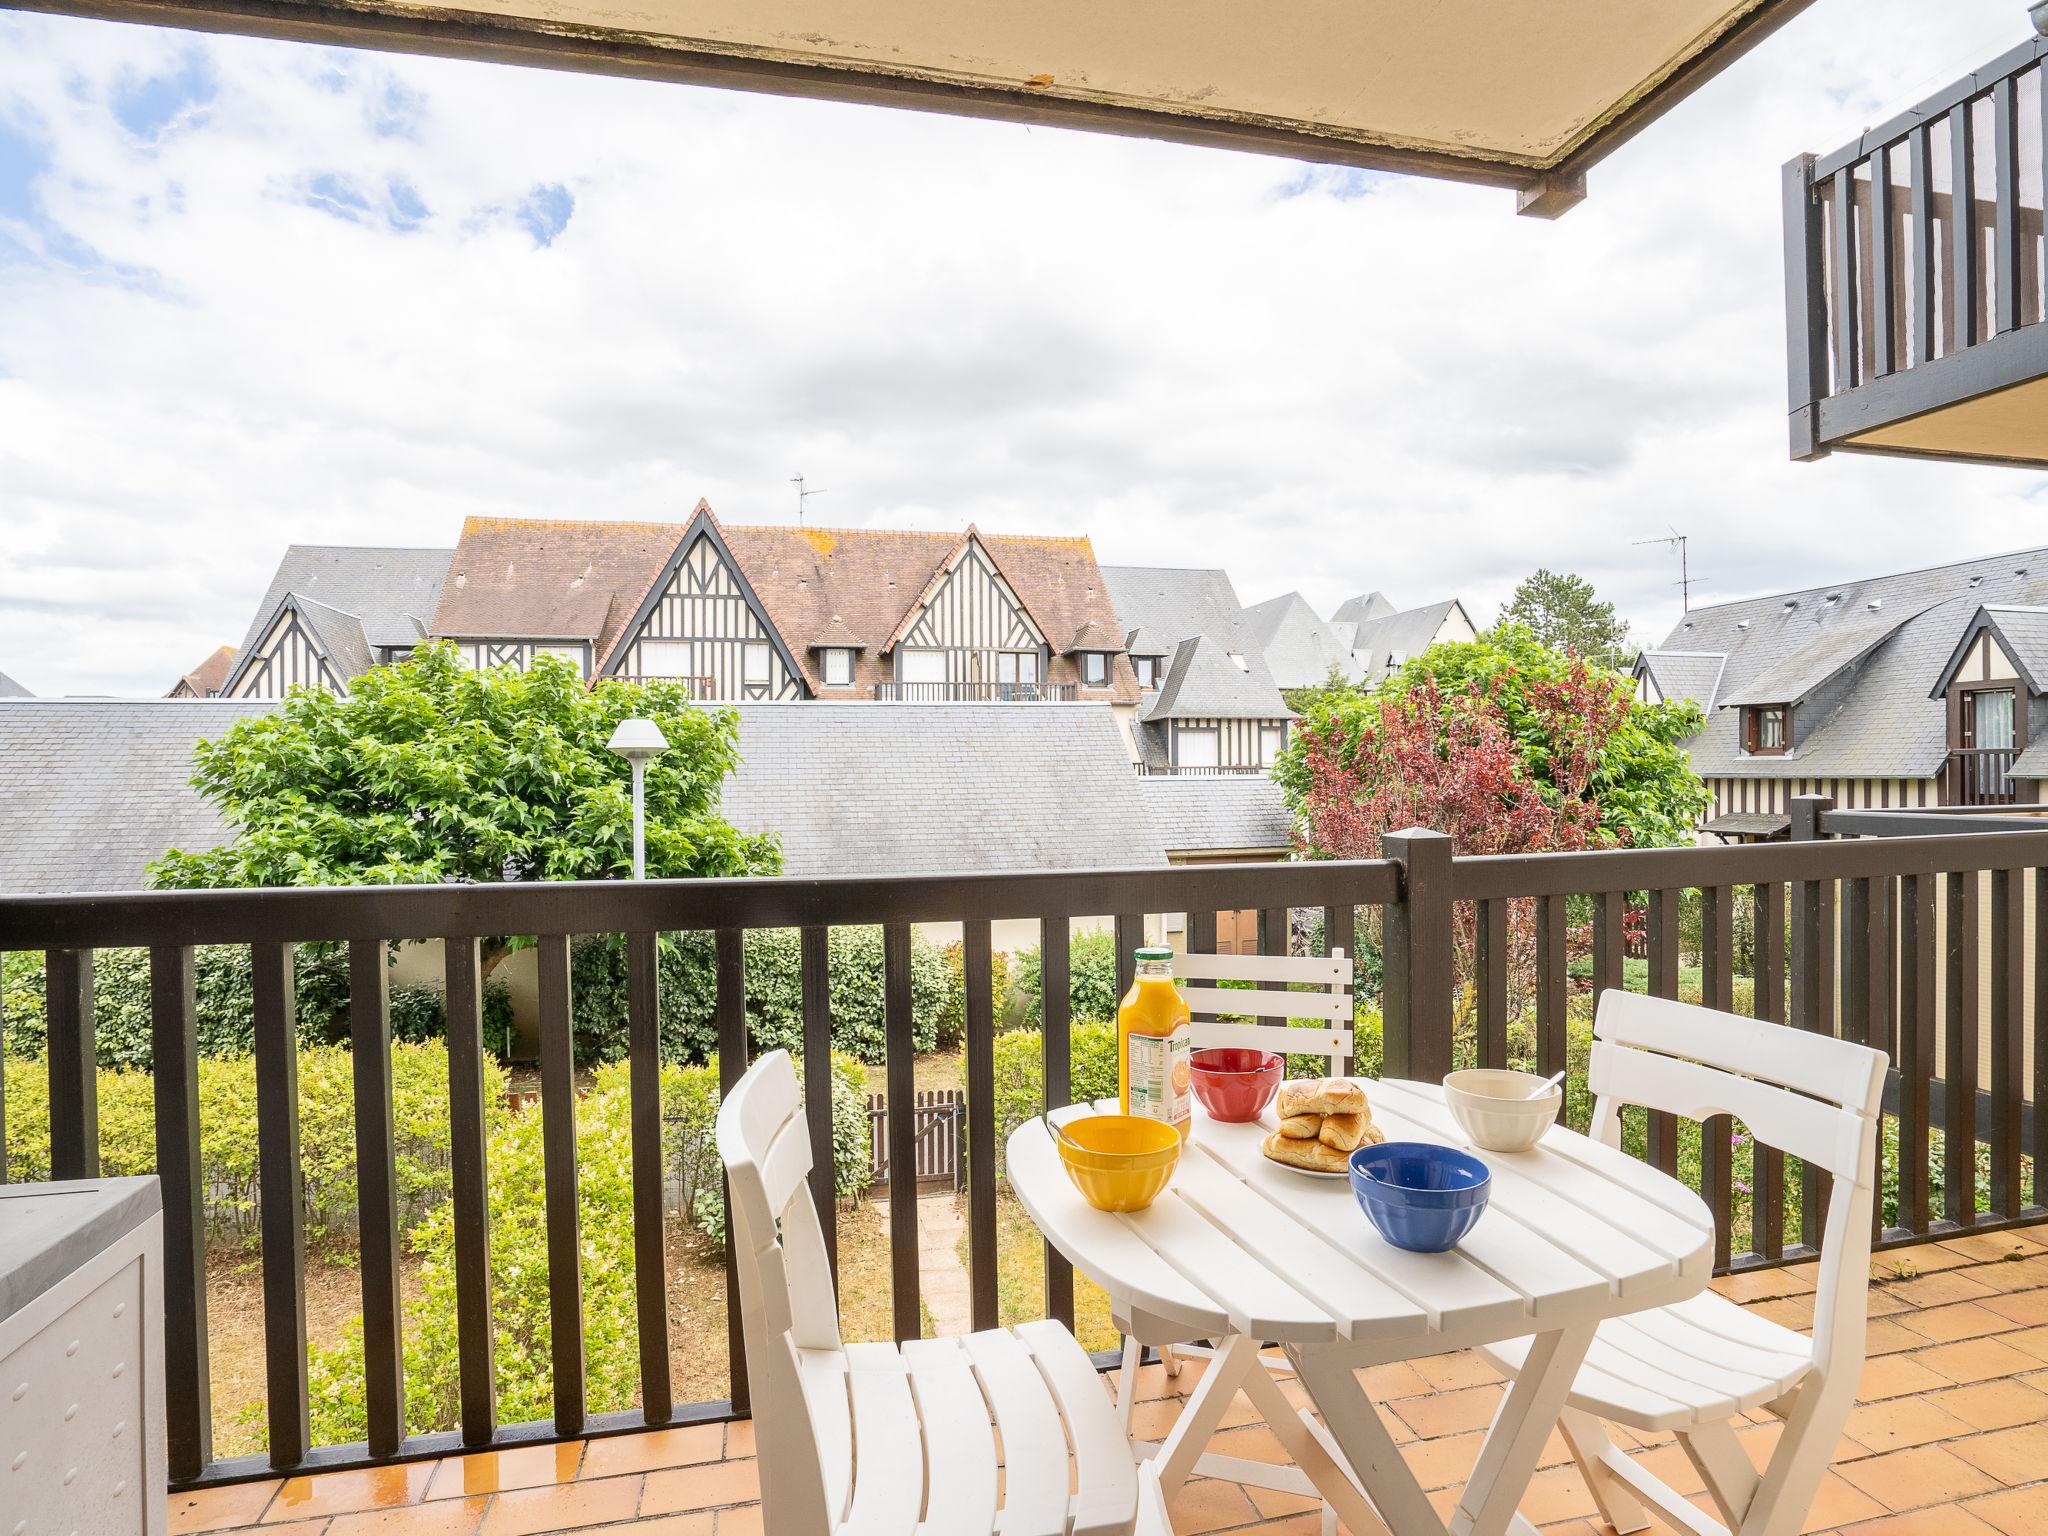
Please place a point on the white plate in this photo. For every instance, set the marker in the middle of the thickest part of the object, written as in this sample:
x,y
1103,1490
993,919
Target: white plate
x,y
1306,1173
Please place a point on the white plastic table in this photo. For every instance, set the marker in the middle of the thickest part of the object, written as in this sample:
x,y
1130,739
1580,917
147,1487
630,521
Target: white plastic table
x,y
1244,1252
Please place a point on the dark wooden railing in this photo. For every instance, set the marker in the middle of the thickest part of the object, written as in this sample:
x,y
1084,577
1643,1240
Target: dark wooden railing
x,y
1980,776
977,693
1916,944
1913,261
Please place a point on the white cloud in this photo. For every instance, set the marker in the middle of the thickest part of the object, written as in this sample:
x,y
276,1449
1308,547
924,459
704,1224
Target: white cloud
x,y
312,302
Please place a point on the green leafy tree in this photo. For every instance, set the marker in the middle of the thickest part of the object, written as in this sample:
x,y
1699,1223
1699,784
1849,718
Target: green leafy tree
x,y
1640,779
1302,700
1563,612
431,771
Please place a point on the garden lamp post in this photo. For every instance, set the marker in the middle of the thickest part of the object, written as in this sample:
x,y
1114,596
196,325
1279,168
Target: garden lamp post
x,y
638,741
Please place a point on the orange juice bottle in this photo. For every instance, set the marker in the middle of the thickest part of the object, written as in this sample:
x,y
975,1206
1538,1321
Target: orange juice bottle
x,y
1155,1045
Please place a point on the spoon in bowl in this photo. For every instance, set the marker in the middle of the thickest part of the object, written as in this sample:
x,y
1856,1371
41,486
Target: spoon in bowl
x,y
1542,1089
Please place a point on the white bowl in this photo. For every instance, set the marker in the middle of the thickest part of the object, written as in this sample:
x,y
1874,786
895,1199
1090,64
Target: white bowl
x,y
1494,1111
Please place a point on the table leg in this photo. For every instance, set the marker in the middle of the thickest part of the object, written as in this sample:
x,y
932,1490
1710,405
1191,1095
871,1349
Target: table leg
x,y
1527,1413
1199,1417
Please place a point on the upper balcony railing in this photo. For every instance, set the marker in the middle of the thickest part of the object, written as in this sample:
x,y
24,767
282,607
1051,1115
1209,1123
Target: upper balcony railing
x,y
1919,945
1205,771
1914,278
1980,776
704,688
977,693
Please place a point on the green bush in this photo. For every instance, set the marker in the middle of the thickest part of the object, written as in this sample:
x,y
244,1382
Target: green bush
x,y
224,990
1020,1073
689,994
953,1014
228,1133
519,1274
1091,974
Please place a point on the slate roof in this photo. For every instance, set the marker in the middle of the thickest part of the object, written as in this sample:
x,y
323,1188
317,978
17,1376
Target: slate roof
x,y
1405,635
1171,604
1203,682
206,678
1363,609
1299,647
920,789
1228,811
861,583
1879,720
2022,633
550,578
10,689
390,592
1833,647
98,788
1685,674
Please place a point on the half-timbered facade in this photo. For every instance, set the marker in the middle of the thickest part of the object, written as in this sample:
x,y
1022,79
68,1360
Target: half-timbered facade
x,y
968,635
1919,689
289,654
1215,712
702,622
738,613
331,613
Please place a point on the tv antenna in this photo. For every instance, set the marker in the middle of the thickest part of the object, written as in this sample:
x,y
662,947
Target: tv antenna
x,y
1684,582
802,496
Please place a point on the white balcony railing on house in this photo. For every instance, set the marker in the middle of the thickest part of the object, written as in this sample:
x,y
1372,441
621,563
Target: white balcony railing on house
x,y
977,693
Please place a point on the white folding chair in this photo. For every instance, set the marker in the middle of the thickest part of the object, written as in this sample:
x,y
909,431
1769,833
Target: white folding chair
x,y
1326,997
1692,1367
873,1438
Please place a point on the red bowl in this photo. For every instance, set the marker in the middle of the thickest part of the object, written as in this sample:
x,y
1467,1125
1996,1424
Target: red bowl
x,y
1235,1084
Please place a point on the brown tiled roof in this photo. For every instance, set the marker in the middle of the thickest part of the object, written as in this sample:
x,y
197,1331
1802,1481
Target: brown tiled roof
x,y
205,679
551,579
863,582
562,579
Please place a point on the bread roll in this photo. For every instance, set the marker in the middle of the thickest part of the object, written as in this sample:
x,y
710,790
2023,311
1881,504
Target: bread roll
x,y
1322,1096
1301,1127
1312,1155
1342,1132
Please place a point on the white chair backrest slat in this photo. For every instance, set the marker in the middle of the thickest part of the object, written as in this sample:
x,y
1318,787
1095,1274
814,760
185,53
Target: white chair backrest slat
x,y
787,1309
1270,998
787,1163
1268,1002
1272,1037
1330,971
1804,1093
1808,1129
1813,1064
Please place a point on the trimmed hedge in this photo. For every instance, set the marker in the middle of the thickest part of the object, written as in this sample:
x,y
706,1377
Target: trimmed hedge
x,y
222,976
228,1138
519,1286
689,994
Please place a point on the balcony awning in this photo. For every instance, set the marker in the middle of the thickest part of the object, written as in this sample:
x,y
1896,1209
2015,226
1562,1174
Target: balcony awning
x,y
1494,91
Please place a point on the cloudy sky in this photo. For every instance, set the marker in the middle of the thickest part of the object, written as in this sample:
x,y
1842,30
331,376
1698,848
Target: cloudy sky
x,y
255,293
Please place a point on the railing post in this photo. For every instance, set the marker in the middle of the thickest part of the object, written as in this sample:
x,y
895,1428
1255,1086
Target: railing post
x,y
74,1065
1806,332
1419,957
1813,975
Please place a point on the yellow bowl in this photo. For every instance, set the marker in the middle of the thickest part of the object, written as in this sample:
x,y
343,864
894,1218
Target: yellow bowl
x,y
1119,1162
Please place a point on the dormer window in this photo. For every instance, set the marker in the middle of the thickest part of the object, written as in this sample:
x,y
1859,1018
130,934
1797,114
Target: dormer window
x,y
838,668
1767,730
1095,668
1147,668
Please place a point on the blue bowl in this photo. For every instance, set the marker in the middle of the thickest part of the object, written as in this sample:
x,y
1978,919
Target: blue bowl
x,y
1421,1196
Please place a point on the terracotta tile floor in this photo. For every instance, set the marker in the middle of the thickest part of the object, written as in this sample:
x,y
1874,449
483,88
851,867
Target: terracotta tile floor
x,y
1950,1438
